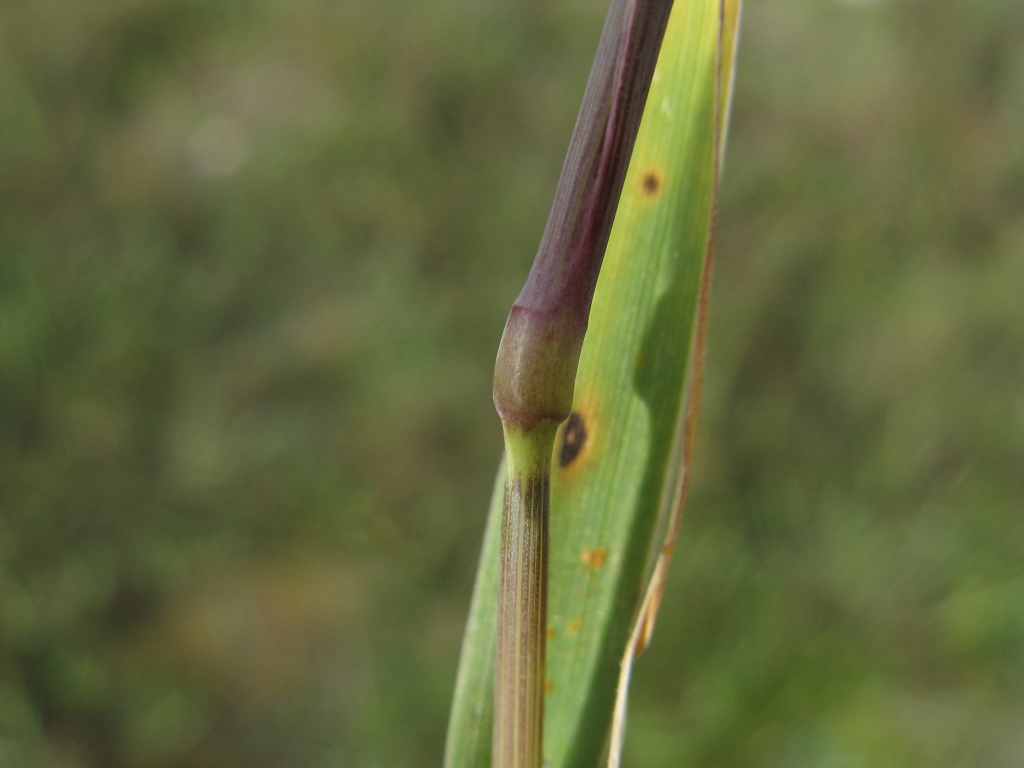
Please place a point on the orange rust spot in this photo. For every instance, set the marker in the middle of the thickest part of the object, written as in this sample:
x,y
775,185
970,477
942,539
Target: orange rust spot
x,y
594,558
548,685
651,182
574,627
551,633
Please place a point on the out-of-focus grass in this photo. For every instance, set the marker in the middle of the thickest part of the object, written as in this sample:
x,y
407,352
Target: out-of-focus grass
x,y
254,262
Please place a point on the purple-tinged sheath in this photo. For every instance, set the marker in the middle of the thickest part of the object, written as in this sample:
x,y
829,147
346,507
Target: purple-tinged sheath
x,y
540,348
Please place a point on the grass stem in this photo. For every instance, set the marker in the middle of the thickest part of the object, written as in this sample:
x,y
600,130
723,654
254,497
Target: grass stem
x,y
522,606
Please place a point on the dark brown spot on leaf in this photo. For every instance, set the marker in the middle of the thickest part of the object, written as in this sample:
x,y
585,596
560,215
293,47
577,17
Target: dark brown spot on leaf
x,y
650,183
574,437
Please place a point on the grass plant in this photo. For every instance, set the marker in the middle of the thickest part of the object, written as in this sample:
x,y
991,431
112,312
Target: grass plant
x,y
539,354
618,475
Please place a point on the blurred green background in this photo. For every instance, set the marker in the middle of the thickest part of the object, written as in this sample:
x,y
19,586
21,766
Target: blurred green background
x,y
255,258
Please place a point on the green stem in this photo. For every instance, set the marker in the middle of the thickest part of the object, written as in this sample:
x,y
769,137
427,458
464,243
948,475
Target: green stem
x,y
522,599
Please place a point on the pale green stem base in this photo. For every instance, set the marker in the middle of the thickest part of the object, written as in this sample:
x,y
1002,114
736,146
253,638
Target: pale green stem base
x,y
522,599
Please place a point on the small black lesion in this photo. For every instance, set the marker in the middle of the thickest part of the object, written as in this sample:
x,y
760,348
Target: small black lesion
x,y
650,183
574,438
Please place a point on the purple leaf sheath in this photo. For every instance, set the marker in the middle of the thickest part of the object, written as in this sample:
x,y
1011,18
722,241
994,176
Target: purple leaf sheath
x,y
540,347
